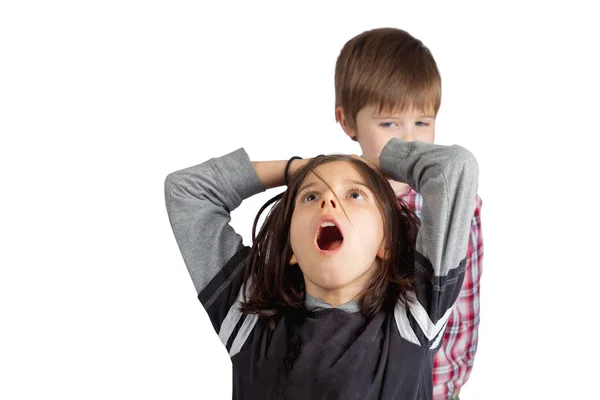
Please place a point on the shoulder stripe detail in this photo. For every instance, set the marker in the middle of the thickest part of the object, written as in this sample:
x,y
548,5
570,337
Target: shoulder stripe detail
x,y
243,334
231,319
422,318
401,317
439,337
237,328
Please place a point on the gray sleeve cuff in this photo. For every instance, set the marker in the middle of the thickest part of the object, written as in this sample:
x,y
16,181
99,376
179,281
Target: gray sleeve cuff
x,y
236,174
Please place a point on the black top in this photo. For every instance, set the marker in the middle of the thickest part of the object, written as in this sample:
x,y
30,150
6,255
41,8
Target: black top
x,y
329,353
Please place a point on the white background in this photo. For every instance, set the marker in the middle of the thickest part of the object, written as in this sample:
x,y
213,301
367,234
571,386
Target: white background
x,y
99,101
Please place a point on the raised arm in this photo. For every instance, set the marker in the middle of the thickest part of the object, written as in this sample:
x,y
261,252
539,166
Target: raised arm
x,y
446,177
199,201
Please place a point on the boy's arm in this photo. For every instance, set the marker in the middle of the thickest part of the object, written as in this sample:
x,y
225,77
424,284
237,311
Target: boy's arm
x,y
470,313
446,177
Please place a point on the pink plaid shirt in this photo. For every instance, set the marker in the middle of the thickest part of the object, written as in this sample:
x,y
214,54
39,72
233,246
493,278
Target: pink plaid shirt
x,y
454,360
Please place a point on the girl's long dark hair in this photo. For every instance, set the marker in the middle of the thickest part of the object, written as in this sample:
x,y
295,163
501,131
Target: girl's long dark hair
x,y
275,286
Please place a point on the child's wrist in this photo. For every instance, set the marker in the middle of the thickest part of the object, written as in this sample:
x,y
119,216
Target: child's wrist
x,y
287,173
295,165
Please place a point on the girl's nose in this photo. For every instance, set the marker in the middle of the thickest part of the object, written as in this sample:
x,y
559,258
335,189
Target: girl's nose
x,y
329,200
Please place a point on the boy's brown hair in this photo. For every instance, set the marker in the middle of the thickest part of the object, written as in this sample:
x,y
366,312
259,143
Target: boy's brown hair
x,y
387,68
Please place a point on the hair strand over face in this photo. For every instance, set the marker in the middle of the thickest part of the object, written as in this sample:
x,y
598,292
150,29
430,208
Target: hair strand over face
x,y
275,287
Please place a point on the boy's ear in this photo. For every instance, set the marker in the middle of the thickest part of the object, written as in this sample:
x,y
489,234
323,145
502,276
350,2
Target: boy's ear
x,y
339,117
293,260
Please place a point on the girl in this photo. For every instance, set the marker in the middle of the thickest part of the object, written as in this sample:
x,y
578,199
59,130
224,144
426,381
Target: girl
x,y
335,299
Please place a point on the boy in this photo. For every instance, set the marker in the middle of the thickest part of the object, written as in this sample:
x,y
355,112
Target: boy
x,y
387,85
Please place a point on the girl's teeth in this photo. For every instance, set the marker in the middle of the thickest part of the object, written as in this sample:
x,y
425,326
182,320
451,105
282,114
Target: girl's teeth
x,y
327,223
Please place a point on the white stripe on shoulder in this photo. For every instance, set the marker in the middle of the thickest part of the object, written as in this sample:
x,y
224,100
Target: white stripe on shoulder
x,y
439,338
403,323
233,316
420,315
243,334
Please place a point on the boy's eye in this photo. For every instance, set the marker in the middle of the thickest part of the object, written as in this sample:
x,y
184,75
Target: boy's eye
x,y
388,124
421,123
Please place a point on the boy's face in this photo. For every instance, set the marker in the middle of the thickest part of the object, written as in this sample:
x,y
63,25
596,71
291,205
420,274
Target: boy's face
x,y
374,130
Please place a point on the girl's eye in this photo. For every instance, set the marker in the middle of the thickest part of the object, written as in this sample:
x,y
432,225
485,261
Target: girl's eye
x,y
310,197
388,124
356,194
421,123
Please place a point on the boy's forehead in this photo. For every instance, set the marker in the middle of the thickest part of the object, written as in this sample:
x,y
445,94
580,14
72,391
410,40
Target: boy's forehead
x,y
400,111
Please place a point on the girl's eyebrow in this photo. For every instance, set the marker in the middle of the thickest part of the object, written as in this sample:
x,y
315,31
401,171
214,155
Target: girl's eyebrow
x,y
308,185
352,181
356,182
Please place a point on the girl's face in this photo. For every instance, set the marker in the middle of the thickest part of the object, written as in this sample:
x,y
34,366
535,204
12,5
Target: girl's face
x,y
336,232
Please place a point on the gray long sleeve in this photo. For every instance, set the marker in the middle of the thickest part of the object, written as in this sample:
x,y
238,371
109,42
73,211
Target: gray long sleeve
x,y
199,201
446,177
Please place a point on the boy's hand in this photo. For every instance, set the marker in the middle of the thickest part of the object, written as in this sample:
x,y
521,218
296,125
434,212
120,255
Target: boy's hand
x,y
372,161
399,187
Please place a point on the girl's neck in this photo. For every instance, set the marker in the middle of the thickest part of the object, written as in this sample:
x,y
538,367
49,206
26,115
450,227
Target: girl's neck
x,y
333,297
313,303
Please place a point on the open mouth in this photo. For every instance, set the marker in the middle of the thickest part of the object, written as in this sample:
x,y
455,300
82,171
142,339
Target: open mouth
x,y
329,237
